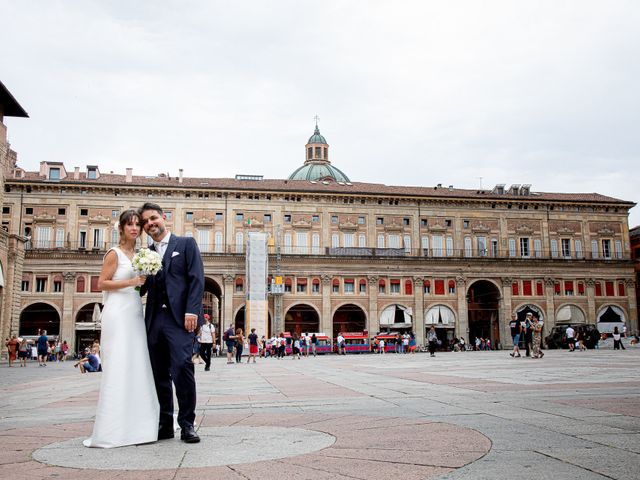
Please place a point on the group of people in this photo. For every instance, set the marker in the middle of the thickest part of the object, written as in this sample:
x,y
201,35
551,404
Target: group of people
x,y
276,346
531,330
42,349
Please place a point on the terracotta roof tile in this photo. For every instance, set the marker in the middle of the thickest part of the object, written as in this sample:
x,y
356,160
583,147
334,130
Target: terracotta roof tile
x,y
304,186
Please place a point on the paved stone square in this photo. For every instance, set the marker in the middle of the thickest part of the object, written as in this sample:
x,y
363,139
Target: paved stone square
x,y
472,415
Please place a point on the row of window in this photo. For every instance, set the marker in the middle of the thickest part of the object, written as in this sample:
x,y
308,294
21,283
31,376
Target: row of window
x,y
568,288
351,285
440,245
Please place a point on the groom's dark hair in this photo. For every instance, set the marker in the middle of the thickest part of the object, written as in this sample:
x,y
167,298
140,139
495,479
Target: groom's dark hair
x,y
150,206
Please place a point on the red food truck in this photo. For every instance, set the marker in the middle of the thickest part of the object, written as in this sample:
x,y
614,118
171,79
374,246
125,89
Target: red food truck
x,y
389,341
356,342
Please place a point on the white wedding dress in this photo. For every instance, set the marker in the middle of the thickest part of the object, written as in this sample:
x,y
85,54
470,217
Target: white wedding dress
x,y
128,409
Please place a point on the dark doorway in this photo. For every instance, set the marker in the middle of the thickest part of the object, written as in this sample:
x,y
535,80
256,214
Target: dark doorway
x,y
301,319
349,318
212,304
483,306
39,316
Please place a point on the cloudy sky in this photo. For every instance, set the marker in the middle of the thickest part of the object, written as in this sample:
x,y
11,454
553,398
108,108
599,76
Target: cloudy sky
x,y
408,92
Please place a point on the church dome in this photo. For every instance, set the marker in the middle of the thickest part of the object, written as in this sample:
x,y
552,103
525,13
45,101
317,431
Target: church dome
x,y
316,137
319,171
317,165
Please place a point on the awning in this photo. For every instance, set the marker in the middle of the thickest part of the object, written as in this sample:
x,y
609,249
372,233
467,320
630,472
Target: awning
x,y
440,315
395,315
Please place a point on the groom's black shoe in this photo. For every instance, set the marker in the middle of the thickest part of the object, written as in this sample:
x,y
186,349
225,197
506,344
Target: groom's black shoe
x,y
165,434
189,435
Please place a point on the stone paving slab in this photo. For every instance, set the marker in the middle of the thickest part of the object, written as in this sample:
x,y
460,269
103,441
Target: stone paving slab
x,y
473,415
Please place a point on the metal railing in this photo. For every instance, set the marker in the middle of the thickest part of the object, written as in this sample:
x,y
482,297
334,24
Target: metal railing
x,y
431,253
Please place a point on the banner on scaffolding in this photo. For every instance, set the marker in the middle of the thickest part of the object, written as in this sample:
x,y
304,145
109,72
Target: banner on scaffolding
x,y
256,311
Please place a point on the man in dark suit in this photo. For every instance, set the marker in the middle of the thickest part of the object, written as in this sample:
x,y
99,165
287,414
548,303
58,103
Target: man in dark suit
x,y
173,311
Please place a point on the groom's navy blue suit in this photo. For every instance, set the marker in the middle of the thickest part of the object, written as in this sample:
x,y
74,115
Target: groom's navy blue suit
x,y
175,290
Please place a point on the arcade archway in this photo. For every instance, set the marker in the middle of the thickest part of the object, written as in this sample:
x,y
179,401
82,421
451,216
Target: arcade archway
x,y
212,303
483,306
396,318
88,326
39,316
349,318
302,318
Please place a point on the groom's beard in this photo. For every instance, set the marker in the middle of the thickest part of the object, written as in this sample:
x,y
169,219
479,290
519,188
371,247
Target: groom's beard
x,y
156,232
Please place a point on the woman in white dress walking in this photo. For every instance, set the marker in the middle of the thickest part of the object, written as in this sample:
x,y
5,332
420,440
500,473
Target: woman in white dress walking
x,y
128,410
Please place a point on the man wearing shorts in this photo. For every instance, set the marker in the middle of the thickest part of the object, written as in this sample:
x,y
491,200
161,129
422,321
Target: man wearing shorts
x,y
516,328
229,338
43,348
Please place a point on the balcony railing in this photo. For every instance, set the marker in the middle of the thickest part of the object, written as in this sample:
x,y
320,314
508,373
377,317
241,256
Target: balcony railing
x,y
431,253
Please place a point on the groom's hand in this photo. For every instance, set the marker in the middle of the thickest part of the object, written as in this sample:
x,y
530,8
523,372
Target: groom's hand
x,y
190,322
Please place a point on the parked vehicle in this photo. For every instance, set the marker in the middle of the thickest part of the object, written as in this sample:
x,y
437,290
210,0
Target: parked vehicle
x,y
389,341
558,338
356,342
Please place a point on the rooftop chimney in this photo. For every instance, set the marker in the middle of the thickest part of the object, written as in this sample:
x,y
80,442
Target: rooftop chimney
x,y
76,173
129,178
180,176
43,169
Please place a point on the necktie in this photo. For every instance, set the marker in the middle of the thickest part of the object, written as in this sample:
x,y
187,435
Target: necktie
x,y
160,247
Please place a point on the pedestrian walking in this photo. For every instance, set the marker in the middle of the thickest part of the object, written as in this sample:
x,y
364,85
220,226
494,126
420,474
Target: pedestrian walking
x,y
432,339
537,337
206,339
314,344
239,344
12,349
229,339
253,346
43,348
569,334
516,329
23,352
617,339
528,333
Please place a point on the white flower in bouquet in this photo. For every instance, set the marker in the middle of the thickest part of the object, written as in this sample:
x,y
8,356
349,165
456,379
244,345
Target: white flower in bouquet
x,y
146,262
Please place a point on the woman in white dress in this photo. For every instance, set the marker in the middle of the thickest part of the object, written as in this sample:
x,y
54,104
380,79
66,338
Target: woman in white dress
x,y
128,410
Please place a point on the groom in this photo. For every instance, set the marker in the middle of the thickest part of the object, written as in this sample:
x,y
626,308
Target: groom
x,y
173,311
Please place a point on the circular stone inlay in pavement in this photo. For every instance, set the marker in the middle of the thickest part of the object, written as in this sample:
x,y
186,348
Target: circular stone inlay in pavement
x,y
219,446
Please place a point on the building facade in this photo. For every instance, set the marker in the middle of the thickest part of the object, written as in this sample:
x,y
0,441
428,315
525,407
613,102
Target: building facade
x,y
353,256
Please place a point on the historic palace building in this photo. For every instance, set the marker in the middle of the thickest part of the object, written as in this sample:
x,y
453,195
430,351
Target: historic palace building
x,y
352,256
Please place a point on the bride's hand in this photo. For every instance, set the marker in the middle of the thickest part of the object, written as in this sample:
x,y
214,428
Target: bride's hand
x,y
139,280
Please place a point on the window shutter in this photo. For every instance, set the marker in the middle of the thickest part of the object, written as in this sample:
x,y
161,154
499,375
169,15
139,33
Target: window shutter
x,y
537,247
449,243
512,247
618,245
578,244
468,249
594,248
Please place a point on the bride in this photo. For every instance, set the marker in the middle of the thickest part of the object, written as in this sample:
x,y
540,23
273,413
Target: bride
x,y
128,409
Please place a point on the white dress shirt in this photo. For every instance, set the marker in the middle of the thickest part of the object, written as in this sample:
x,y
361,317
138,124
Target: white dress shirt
x,y
161,246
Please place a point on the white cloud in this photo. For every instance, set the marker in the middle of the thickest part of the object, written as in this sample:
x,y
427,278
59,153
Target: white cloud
x,y
408,92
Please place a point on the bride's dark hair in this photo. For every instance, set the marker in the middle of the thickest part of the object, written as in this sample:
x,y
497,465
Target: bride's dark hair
x,y
126,218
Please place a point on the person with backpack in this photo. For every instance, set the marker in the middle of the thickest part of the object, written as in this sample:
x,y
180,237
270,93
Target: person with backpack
x,y
229,338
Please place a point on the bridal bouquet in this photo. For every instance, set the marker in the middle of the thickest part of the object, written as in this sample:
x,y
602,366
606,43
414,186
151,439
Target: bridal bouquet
x,y
146,262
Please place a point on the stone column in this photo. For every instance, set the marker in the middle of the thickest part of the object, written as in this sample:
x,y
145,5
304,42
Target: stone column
x,y
67,322
14,283
373,322
591,300
326,324
506,310
227,300
418,315
632,321
550,321
463,311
